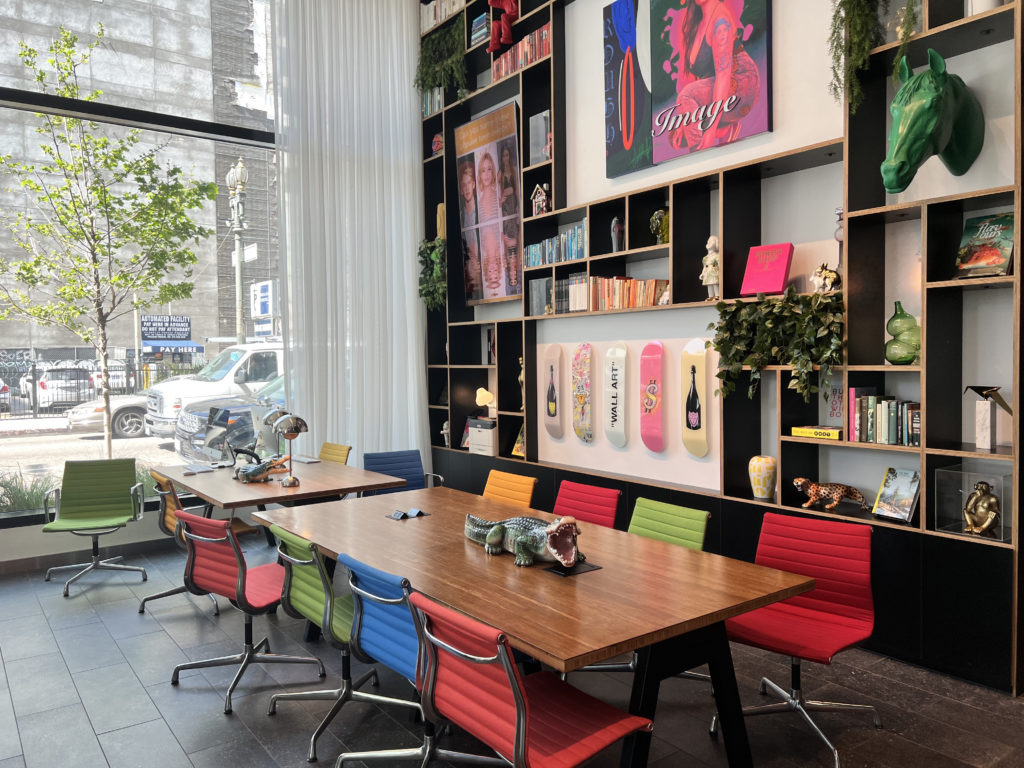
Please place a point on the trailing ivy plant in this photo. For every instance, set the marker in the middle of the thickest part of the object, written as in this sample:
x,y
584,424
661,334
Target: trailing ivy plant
x,y
856,28
442,59
803,331
433,273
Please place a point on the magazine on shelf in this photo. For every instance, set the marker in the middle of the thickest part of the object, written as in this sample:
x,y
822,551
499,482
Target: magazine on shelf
x,y
897,496
986,247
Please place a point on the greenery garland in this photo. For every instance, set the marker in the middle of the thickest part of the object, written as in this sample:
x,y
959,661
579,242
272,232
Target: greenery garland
x,y
442,58
433,273
803,331
856,28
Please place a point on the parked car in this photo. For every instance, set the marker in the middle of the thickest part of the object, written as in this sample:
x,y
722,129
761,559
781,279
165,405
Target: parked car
x,y
241,369
61,387
5,397
129,412
234,420
119,377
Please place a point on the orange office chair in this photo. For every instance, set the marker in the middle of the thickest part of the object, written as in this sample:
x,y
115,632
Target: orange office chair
x,y
587,503
837,614
504,486
167,522
217,566
534,720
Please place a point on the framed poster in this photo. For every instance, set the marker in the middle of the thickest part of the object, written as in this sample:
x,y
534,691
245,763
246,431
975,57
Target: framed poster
x,y
490,205
627,95
710,74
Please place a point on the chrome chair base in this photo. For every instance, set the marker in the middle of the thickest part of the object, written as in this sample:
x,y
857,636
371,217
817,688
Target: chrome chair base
x,y
258,653
96,564
425,753
794,701
340,696
176,591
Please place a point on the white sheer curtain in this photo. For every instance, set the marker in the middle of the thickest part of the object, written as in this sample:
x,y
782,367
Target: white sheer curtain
x,y
351,218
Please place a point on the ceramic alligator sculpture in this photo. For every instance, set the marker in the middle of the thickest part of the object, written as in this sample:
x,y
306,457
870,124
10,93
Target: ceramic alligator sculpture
x,y
260,473
528,538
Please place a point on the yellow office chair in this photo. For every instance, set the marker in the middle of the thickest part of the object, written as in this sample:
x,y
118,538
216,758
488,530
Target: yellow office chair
x,y
335,452
504,486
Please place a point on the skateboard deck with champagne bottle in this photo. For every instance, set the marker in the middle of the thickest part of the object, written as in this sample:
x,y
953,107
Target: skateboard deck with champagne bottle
x,y
614,403
582,409
694,393
551,405
652,430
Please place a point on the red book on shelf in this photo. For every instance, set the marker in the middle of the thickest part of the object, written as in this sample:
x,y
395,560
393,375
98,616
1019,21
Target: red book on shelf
x,y
767,269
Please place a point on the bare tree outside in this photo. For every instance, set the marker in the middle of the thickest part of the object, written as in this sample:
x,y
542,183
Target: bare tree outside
x,y
107,230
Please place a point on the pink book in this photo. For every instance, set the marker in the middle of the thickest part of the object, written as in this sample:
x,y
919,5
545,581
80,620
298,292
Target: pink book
x,y
767,269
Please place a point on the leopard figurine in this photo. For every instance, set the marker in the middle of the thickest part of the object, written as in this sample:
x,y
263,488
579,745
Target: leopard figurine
x,y
817,492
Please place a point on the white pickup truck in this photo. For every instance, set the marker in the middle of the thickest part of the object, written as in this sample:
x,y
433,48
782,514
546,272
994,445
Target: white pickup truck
x,y
239,369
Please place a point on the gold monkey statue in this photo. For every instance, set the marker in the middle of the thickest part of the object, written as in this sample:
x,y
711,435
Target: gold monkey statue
x,y
981,513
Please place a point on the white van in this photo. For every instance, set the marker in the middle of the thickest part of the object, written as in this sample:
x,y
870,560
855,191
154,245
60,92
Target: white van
x,y
238,370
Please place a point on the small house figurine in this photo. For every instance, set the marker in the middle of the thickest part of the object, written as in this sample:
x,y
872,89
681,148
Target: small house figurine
x,y
541,199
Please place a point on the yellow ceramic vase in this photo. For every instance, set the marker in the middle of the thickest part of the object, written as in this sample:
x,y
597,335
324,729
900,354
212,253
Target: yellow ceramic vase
x,y
762,471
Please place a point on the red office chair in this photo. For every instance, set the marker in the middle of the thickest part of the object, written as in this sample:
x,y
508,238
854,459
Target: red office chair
x,y
587,503
216,565
537,720
837,614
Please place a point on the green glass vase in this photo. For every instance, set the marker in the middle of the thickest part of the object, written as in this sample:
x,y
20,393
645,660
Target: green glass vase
x,y
900,321
900,352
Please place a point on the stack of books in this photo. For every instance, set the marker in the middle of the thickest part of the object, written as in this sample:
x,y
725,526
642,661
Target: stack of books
x,y
432,100
478,33
625,292
569,245
531,48
437,11
883,419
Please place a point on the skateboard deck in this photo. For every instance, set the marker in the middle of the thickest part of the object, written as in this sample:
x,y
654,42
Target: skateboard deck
x,y
651,385
614,407
551,405
582,410
694,389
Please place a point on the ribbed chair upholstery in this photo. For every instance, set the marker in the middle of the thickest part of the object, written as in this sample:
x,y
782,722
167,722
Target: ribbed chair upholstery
x,y
534,720
405,464
335,452
167,522
217,566
673,524
308,593
95,498
384,631
515,489
837,614
587,503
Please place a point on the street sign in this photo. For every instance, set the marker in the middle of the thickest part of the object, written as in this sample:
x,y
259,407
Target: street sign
x,y
261,299
263,326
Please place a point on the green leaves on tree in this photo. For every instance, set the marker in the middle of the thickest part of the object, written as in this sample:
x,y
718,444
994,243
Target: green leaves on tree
x,y
433,273
802,331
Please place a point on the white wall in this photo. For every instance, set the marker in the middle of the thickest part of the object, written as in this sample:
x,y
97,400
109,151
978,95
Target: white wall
x,y
803,111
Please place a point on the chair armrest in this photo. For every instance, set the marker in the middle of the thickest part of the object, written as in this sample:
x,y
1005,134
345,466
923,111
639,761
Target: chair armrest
x,y
438,481
138,501
53,493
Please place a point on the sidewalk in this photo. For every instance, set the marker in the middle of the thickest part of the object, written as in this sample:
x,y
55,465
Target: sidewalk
x,y
12,426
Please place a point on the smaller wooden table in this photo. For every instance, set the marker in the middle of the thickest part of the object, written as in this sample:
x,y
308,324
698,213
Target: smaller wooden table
x,y
322,480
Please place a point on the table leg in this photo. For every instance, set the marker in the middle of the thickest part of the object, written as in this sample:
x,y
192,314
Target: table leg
x,y
655,663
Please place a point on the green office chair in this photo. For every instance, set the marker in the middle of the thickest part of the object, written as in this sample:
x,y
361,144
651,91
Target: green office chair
x,y
309,594
95,497
675,525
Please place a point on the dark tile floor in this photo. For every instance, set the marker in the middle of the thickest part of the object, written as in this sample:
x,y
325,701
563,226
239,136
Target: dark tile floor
x,y
85,682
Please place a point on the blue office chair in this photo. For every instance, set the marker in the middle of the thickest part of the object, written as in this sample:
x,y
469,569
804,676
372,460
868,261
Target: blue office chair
x,y
405,464
385,632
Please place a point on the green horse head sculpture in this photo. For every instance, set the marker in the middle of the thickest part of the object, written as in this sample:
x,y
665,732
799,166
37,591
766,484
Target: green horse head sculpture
x,y
933,113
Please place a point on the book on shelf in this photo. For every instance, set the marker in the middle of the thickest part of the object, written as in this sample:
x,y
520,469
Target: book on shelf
x,y
834,417
568,245
479,31
822,432
897,496
519,448
437,11
540,137
986,247
534,46
855,393
625,292
767,269
540,295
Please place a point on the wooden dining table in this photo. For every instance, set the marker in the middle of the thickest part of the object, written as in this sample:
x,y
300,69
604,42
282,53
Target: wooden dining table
x,y
666,602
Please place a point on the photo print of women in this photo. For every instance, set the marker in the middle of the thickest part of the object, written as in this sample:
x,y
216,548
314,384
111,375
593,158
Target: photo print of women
x,y
490,206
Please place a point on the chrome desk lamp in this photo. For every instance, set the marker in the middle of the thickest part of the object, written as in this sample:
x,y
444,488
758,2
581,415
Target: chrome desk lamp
x,y
288,426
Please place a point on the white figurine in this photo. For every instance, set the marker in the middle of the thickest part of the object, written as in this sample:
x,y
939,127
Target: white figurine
x,y
709,274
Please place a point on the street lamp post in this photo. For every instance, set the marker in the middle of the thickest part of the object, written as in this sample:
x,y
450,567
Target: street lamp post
x,y
236,179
